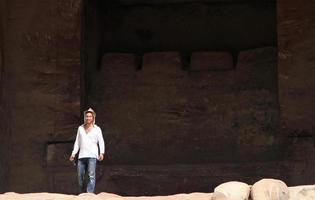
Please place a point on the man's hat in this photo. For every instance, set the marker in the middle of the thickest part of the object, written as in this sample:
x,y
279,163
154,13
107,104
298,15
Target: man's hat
x,y
90,110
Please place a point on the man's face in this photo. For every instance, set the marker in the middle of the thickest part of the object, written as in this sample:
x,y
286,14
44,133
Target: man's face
x,y
88,118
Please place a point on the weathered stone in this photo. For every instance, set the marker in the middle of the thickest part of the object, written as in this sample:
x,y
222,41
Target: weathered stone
x,y
211,61
302,192
64,179
300,160
58,153
295,67
105,195
270,189
140,180
100,196
118,64
214,81
43,68
257,69
35,196
88,196
162,68
232,190
300,149
162,116
256,123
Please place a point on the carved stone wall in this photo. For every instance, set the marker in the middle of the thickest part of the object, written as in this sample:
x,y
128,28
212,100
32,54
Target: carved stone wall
x,y
296,87
173,123
42,62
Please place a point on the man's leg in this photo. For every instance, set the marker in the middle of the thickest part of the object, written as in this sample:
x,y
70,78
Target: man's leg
x,y
91,174
81,174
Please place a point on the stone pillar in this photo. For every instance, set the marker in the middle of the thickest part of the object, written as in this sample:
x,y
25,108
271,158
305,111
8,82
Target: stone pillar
x,y
297,87
42,61
4,128
296,66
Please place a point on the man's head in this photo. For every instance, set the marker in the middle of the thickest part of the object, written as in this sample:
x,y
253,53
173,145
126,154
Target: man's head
x,y
89,116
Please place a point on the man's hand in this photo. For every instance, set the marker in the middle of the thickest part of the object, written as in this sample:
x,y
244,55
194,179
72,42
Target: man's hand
x,y
101,157
71,158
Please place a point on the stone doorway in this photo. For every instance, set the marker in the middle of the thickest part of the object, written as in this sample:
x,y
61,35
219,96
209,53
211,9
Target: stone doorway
x,y
181,85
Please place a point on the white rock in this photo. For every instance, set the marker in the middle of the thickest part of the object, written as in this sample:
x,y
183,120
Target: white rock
x,y
231,191
87,196
303,192
181,196
270,189
35,196
105,195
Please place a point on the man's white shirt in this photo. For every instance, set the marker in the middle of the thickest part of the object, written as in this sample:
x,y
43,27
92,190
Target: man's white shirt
x,y
88,143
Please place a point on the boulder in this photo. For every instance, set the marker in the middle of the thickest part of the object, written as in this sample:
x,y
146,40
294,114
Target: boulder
x,y
270,189
232,190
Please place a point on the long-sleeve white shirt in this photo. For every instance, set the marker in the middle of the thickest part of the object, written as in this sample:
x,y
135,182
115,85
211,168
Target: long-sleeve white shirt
x,y
88,143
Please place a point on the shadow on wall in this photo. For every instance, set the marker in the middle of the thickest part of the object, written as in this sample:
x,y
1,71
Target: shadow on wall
x,y
162,114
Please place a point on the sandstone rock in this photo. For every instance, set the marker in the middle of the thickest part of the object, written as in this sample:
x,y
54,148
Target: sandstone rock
x,y
57,154
211,61
119,64
105,195
162,62
190,196
36,196
257,69
265,189
270,189
231,191
113,198
87,196
117,69
303,192
199,196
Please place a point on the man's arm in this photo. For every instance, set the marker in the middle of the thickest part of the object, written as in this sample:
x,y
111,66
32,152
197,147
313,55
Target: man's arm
x,y
101,144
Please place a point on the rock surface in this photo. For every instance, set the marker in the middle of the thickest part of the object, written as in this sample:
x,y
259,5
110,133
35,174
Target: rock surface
x,y
265,189
234,112
231,191
270,189
100,196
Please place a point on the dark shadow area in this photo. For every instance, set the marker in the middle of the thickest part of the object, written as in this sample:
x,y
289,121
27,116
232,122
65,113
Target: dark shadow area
x,y
188,83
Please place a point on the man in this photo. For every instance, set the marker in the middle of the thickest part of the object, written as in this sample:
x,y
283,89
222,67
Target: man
x,y
89,137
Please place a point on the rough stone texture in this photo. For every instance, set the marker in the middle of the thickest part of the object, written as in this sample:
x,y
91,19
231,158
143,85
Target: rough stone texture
x,y
270,189
256,69
300,160
303,192
4,104
163,125
211,61
172,116
257,113
42,63
169,179
232,190
163,106
57,154
101,196
296,71
296,87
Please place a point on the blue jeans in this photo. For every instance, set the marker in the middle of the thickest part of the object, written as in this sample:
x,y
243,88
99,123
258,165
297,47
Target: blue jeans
x,y
86,167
